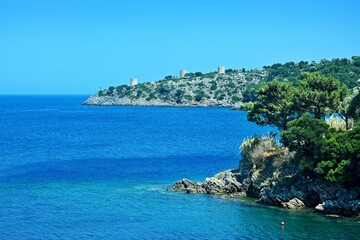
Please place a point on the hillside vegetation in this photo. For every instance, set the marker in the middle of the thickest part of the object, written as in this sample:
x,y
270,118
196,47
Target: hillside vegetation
x,y
300,113
229,89
197,89
318,156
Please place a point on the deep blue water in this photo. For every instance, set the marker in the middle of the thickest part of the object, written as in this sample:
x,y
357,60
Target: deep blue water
x,y
69,171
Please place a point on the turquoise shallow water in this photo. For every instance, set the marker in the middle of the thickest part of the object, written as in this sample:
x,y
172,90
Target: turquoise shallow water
x,y
80,172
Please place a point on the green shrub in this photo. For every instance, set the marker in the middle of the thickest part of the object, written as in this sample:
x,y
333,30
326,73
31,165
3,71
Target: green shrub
x,y
139,92
179,93
231,85
221,97
122,88
163,89
151,97
235,99
198,98
254,149
213,86
200,85
199,95
199,92
188,97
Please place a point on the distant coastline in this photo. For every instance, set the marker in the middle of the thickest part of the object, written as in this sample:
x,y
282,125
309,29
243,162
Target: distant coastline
x,y
224,87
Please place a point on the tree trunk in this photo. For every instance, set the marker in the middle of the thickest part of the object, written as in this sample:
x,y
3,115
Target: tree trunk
x,y
317,113
346,122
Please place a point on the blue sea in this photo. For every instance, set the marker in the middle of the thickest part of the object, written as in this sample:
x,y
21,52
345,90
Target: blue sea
x,y
69,171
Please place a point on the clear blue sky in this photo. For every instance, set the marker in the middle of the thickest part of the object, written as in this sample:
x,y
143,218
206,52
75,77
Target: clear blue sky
x,y
76,47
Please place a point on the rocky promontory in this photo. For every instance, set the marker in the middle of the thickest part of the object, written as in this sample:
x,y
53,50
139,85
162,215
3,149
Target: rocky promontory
x,y
229,87
271,178
324,198
211,89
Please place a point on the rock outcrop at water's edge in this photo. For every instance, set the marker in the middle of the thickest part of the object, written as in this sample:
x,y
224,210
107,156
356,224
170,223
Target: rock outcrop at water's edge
x,y
323,198
223,183
287,189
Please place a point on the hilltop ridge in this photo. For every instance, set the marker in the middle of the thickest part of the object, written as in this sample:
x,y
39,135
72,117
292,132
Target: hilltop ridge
x,y
230,88
211,89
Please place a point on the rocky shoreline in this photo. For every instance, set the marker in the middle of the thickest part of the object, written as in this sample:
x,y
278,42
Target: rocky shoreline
x,y
323,197
125,101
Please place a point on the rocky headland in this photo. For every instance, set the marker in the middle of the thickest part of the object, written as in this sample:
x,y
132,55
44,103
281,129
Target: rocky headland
x,y
267,174
211,89
230,87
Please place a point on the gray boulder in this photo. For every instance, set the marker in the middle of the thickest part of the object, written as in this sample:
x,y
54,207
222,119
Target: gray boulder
x,y
348,208
188,186
214,185
294,203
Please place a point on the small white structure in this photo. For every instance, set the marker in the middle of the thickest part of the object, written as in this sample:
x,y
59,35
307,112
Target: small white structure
x,y
133,82
183,73
221,70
